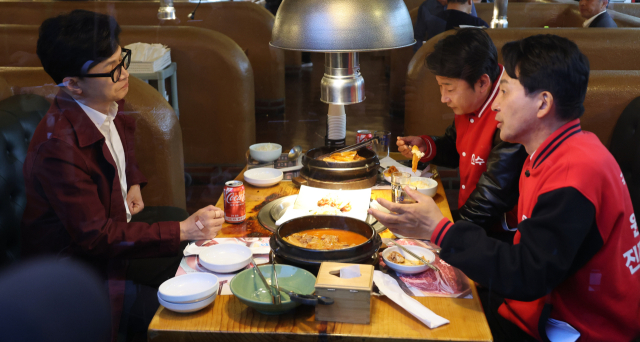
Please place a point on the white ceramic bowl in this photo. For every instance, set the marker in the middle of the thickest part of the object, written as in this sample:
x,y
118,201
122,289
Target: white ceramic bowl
x,y
265,156
432,185
225,258
188,307
421,251
188,288
263,177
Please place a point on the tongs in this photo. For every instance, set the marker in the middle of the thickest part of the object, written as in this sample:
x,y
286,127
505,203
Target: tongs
x,y
350,148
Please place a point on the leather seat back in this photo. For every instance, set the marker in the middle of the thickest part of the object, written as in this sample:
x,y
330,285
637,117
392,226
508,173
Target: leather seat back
x,y
246,23
19,116
215,85
606,49
625,147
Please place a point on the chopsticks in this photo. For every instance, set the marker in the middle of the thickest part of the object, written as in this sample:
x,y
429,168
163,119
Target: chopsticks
x,y
274,275
421,259
349,148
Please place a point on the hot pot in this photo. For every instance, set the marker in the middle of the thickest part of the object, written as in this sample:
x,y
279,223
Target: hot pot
x,y
359,174
310,259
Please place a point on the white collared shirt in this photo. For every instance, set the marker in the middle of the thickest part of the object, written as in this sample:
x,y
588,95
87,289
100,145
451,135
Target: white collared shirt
x,y
105,125
590,20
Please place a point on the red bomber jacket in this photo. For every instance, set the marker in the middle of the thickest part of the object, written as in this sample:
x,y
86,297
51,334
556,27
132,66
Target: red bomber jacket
x,y
489,167
575,256
74,202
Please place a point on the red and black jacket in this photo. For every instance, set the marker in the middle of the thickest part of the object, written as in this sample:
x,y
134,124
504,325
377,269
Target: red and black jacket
x,y
489,167
575,256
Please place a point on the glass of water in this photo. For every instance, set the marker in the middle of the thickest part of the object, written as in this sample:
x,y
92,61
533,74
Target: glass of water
x,y
381,147
398,181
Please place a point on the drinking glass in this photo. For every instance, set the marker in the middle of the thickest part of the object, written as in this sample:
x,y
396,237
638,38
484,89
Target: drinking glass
x,y
399,180
381,147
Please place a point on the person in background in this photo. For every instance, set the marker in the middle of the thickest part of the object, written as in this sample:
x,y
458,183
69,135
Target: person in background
x,y
81,175
595,13
466,68
574,267
428,13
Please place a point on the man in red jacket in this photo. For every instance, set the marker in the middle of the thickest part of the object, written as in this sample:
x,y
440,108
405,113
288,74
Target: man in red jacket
x,y
575,263
81,175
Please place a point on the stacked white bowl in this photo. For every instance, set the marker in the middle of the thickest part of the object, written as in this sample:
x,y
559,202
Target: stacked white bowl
x,y
188,293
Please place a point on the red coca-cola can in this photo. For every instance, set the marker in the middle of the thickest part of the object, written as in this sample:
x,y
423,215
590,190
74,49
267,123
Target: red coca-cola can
x,y
234,207
362,135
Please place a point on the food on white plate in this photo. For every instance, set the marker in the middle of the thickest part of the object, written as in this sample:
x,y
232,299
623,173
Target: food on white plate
x,y
391,170
343,157
266,147
420,184
397,258
325,239
417,155
333,201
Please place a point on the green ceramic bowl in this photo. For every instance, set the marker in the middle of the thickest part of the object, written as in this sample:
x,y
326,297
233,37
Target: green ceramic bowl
x,y
248,287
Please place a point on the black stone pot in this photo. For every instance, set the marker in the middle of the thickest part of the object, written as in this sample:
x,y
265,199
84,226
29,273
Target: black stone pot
x,y
310,259
335,172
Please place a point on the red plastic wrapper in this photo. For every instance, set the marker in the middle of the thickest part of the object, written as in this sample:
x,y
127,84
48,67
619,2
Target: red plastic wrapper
x,y
449,282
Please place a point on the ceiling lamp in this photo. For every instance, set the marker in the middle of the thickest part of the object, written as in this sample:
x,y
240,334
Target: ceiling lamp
x,y
341,29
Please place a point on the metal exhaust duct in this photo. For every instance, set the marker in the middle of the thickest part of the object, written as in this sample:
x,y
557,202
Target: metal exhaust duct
x,y
166,10
500,14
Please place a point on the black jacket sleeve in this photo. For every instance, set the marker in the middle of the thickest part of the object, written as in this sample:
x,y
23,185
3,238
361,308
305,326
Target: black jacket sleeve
x,y
497,190
558,239
446,151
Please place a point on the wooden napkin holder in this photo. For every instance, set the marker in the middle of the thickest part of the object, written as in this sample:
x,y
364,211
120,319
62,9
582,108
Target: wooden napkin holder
x,y
352,297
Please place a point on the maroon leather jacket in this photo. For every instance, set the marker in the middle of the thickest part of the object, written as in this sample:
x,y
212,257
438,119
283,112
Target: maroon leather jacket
x,y
74,201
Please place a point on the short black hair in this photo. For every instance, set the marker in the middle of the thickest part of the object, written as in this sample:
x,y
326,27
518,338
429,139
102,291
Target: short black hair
x,y
550,63
468,54
67,42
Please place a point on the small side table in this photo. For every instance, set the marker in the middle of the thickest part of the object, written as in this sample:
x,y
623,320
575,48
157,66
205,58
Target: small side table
x,y
160,76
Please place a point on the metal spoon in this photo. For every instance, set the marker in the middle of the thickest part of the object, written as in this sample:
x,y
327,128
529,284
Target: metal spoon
x,y
295,152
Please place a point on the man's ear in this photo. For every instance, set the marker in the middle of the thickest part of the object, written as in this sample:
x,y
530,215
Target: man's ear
x,y
483,84
545,104
71,85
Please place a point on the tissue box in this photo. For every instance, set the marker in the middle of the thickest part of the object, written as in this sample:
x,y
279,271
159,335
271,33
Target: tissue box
x,y
138,67
352,297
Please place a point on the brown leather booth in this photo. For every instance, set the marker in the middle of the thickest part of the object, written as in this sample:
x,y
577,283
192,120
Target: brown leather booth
x,y
158,135
607,49
520,15
215,85
248,24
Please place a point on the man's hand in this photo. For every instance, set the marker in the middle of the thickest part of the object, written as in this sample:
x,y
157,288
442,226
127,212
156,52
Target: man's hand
x,y
210,218
134,199
417,220
405,143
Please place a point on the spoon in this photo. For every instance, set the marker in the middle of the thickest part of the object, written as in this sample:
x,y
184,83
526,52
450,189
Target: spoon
x,y
295,152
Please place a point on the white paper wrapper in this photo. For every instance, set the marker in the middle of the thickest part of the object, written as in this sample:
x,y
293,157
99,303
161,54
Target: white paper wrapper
x,y
390,288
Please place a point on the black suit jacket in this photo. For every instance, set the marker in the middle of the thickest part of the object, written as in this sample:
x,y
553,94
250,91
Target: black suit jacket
x,y
603,20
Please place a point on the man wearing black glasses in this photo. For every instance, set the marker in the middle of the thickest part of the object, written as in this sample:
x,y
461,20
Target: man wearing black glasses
x,y
81,175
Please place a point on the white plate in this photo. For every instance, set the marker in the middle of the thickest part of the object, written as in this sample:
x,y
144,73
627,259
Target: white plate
x,y
263,177
189,307
421,251
225,258
188,288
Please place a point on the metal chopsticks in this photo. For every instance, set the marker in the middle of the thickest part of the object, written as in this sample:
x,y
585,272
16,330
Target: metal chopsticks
x,y
264,280
274,275
413,255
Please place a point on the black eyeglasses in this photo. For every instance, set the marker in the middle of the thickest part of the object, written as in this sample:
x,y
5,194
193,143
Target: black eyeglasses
x,y
117,71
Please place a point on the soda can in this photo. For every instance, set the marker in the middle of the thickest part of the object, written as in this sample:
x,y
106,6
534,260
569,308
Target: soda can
x,y
234,207
363,135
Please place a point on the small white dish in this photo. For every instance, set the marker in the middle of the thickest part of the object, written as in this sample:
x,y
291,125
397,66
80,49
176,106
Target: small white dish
x,y
268,155
188,288
225,258
421,251
430,190
263,177
188,307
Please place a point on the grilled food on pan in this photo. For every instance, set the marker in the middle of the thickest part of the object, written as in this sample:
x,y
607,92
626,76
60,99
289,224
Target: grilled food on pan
x,y
344,157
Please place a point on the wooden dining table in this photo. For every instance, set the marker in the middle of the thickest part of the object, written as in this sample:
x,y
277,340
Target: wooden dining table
x,y
230,320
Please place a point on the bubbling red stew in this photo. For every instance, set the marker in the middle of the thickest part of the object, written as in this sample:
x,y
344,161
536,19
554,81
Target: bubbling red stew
x,y
325,239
